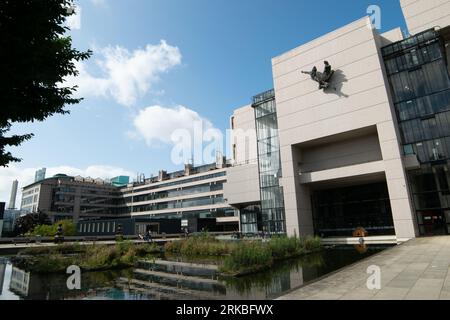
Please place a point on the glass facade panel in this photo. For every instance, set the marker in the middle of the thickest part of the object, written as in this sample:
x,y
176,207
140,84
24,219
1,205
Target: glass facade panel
x,y
420,84
272,217
250,218
338,212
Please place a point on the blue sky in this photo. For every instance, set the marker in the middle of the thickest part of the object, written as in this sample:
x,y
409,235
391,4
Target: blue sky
x,y
216,56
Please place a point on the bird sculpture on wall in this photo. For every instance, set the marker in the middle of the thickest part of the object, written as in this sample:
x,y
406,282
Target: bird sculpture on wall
x,y
323,78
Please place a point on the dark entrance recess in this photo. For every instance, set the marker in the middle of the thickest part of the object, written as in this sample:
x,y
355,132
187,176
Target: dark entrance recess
x,y
432,222
338,212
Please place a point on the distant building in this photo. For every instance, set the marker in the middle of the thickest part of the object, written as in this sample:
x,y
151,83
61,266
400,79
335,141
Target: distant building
x,y
120,181
40,175
9,220
12,199
191,198
171,202
66,197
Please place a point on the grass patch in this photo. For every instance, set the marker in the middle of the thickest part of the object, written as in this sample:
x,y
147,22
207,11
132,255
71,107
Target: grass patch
x,y
53,250
88,257
243,257
200,245
252,256
248,256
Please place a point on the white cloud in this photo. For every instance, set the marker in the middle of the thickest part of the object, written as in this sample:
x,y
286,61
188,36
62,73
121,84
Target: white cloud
x,y
74,21
192,137
157,124
25,176
126,75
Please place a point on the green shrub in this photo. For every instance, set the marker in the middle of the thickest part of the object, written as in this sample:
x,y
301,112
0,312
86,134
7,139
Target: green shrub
x,y
247,257
68,227
173,246
201,245
283,247
43,230
244,256
88,257
312,243
59,249
145,249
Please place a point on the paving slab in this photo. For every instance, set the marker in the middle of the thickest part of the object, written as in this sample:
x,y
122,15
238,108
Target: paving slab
x,y
418,269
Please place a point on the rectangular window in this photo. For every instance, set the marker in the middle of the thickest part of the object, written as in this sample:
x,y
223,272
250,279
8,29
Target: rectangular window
x,y
408,149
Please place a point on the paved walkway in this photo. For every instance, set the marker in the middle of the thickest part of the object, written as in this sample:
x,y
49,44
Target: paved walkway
x,y
418,269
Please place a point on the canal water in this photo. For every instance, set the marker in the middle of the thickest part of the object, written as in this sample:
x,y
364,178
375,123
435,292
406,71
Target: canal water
x,y
16,284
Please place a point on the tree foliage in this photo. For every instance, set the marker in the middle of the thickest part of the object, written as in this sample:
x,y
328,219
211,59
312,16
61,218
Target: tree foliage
x,y
28,222
35,56
68,226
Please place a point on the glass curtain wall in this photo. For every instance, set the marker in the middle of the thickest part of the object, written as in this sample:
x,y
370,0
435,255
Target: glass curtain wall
x,y
338,212
272,202
419,79
250,219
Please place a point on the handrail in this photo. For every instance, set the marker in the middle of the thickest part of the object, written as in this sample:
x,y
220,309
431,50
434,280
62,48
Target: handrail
x,y
88,238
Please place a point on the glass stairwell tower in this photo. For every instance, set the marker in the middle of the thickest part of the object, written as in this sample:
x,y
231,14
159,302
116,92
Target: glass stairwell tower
x,y
269,163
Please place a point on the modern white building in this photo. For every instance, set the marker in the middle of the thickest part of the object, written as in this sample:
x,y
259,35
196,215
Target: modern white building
x,y
367,148
193,196
167,203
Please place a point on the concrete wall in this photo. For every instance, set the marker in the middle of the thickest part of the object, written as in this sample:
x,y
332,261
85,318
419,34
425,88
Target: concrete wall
x,y
391,36
421,15
46,196
244,135
242,186
345,152
357,100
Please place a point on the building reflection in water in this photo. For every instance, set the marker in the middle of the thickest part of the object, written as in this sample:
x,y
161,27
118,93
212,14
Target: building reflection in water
x,y
128,285
2,274
20,282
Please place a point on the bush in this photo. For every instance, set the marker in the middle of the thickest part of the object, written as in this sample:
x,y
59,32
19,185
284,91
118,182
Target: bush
x,y
68,226
43,230
248,257
59,249
244,256
173,246
312,243
88,257
283,247
199,245
145,249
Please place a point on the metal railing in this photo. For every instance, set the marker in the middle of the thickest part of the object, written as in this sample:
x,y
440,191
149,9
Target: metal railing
x,y
91,238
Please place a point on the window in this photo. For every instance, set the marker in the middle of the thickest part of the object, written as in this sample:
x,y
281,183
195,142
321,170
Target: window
x,y
408,149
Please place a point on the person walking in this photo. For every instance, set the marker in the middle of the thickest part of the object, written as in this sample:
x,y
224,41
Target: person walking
x,y
149,237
